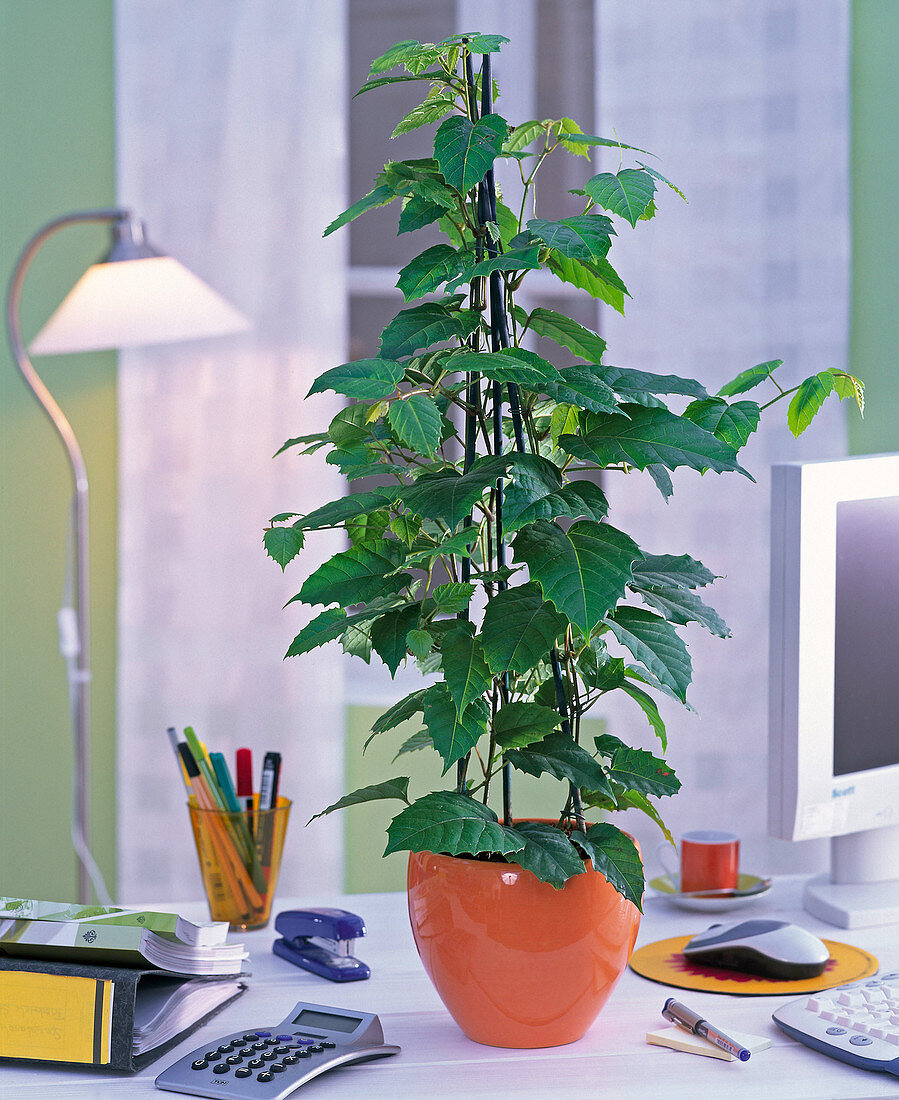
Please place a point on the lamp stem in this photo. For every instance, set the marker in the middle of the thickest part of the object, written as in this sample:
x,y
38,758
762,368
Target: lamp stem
x,y
80,689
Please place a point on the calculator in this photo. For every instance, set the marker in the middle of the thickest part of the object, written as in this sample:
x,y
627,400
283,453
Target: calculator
x,y
857,1024
268,1063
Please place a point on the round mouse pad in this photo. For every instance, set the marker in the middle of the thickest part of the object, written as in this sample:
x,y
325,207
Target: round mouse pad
x,y
664,962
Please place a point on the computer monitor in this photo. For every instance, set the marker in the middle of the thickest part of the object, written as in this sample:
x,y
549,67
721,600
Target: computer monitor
x,y
834,678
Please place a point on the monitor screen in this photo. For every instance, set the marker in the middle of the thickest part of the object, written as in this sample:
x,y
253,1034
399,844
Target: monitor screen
x,y
866,679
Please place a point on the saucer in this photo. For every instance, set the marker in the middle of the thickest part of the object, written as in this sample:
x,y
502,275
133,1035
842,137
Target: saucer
x,y
664,888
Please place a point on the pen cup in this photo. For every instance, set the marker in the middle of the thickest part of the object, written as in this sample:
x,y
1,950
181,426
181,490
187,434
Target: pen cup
x,y
240,855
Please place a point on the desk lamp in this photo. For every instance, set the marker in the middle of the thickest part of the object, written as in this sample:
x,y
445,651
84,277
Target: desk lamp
x,y
135,295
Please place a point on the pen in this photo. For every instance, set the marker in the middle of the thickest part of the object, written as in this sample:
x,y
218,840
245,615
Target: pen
x,y
173,737
244,761
268,800
684,1017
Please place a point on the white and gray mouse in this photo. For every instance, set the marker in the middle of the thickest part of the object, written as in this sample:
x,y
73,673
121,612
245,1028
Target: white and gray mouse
x,y
768,948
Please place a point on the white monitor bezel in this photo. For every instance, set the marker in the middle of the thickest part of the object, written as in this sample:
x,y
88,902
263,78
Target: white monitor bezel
x,y
805,799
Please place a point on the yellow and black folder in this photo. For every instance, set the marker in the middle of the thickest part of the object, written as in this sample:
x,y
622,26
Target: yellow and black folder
x,y
80,1015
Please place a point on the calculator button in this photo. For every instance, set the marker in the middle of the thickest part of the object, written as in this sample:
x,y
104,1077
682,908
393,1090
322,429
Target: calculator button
x,y
263,1034
226,1048
257,1063
276,1067
249,1037
200,1063
211,1055
234,1059
221,1068
265,1077
259,1046
269,1056
243,1072
284,1038
326,1045
290,1060
305,1052
281,1049
836,1031
317,1049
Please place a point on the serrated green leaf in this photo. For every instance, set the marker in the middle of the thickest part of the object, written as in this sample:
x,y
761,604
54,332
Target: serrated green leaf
x,y
560,756
466,150
356,641
324,628
656,644
464,667
390,788
400,711
420,643
429,270
345,508
583,571
548,853
629,382
367,529
437,75
519,629
670,571
536,492
749,379
681,606
449,496
417,422
808,399
522,135
459,544
453,597
615,856
847,385
599,279
420,740
516,259
369,379
455,824
518,365
519,724
437,104
398,54
626,193
649,707
453,734
424,325
582,386
388,635
733,424
651,436
592,139
481,43
418,212
564,330
282,544
356,575
380,196
583,237
639,770
662,179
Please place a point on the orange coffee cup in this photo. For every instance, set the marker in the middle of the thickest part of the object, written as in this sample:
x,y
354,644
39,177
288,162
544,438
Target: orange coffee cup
x,y
709,860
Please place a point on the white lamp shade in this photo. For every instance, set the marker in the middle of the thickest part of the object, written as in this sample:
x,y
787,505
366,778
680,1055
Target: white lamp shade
x,y
132,302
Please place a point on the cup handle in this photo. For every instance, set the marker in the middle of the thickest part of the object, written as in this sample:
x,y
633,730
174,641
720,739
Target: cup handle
x,y
663,851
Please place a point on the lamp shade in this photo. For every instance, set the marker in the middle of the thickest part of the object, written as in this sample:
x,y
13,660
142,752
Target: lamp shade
x,y
151,300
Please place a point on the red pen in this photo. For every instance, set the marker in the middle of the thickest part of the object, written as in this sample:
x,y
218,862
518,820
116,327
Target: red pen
x,y
244,760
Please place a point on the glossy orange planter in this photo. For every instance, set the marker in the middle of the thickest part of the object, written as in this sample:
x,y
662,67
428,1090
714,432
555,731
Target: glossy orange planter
x,y
516,962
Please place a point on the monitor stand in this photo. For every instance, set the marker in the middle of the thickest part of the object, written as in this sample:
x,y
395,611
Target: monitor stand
x,y
862,888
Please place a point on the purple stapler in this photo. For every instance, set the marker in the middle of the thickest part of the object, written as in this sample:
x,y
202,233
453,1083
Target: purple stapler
x,y
321,940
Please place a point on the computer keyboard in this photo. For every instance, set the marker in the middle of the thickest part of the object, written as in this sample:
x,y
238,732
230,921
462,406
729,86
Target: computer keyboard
x,y
857,1023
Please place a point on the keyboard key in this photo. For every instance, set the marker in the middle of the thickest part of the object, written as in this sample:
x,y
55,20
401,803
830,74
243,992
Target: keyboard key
x,y
893,1037
818,1004
855,998
861,1040
875,995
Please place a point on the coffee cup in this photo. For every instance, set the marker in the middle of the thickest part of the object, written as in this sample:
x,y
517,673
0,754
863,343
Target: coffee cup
x,y
709,860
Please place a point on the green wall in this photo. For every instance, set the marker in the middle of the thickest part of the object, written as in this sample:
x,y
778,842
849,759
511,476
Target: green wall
x,y
874,330
57,138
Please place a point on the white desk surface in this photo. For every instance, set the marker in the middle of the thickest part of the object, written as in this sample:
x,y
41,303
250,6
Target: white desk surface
x,y
437,1061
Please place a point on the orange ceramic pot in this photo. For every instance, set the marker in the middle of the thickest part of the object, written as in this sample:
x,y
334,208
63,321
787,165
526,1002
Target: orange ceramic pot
x,y
516,962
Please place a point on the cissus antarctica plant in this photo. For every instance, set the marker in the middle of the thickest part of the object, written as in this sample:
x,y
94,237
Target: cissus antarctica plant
x,y
486,552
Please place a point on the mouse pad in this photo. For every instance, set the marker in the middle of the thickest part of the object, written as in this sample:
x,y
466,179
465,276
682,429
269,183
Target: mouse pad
x,y
664,962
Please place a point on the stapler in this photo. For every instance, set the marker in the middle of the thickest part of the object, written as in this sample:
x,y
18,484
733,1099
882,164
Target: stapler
x,y
321,940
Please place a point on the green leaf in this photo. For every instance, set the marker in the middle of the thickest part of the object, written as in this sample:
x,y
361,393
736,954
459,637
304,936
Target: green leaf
x,y
449,496
639,770
351,427
420,740
662,179
356,640
651,436
516,259
459,544
388,635
584,571
370,379
648,705
436,75
564,421
465,151
420,643
418,212
518,365
357,575
583,237
324,628
548,853
522,135
367,529
417,423
681,606
626,193
565,331
749,379
536,493
398,54
453,735
406,527
424,325
519,629
615,855
480,43
380,196
400,712
656,644
519,724
282,544
847,385
668,571
453,597
629,382
455,824
591,139
430,269
390,788
599,278
733,424
437,104
808,399
582,386
464,668
345,508
560,756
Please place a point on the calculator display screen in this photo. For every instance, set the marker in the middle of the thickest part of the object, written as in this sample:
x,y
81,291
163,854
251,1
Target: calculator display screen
x,y
327,1022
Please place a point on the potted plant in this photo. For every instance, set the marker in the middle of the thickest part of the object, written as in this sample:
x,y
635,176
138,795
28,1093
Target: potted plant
x,y
486,553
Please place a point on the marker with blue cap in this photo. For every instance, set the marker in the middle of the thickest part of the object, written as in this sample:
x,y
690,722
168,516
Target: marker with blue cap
x,y
691,1021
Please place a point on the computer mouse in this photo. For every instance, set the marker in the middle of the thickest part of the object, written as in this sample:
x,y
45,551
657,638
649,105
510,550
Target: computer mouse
x,y
768,948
